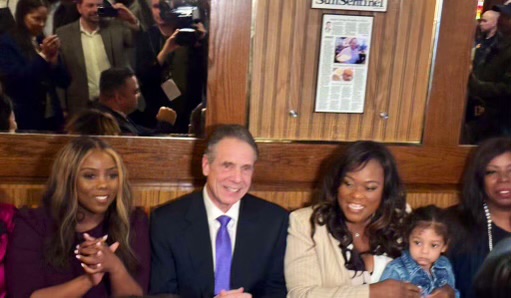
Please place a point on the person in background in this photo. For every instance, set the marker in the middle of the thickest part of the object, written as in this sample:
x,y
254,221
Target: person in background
x,y
340,245
93,44
7,117
141,9
488,28
489,84
221,241
6,16
86,240
484,42
60,13
423,263
12,4
30,69
93,122
481,220
119,96
171,73
494,277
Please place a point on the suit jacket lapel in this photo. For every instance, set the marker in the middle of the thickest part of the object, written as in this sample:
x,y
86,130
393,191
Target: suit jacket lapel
x,y
106,35
245,250
198,243
77,48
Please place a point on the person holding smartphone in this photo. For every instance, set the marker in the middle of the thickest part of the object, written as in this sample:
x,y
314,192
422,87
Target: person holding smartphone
x,y
171,73
31,69
92,44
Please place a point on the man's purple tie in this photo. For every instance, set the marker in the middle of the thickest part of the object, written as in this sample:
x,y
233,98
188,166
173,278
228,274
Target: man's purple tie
x,y
223,256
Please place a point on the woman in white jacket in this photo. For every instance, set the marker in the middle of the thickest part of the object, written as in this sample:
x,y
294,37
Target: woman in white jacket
x,y
340,246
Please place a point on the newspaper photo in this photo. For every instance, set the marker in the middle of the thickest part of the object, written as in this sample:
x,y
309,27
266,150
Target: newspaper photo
x,y
343,63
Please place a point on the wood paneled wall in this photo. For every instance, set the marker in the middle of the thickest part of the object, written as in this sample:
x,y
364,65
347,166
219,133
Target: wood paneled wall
x,y
150,195
285,63
162,168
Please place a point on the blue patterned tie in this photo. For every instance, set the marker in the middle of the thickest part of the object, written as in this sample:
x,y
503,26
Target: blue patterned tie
x,y
223,256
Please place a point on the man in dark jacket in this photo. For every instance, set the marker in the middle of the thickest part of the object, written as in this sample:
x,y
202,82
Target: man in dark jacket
x,y
490,82
119,96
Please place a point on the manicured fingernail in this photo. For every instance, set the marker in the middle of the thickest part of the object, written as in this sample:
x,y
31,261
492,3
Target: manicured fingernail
x,y
99,253
98,265
78,257
98,243
76,251
83,265
77,246
86,235
105,237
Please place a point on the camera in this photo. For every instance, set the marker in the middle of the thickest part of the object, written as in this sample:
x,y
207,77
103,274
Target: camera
x,y
183,17
107,11
187,37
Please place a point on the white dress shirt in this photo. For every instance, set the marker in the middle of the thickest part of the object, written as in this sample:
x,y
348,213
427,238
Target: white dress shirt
x,y
96,59
213,212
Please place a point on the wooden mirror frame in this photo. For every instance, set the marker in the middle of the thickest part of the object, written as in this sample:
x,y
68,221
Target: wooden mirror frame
x,y
437,162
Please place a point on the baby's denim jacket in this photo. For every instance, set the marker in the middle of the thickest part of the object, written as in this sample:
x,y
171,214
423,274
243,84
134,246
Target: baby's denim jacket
x,y
407,269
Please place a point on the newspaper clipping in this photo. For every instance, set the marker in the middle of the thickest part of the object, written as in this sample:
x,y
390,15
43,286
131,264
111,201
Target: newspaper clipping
x,y
343,63
367,5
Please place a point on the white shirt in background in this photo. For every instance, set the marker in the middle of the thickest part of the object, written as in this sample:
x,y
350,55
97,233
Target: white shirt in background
x,y
9,3
96,59
48,27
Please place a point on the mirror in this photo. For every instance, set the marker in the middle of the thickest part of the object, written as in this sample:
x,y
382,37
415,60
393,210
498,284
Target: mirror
x,y
385,98
134,38
488,111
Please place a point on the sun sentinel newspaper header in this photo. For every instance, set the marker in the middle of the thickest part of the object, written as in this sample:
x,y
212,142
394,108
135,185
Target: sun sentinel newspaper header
x,y
367,5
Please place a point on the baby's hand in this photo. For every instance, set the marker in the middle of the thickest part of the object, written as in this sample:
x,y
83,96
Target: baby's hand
x,y
444,292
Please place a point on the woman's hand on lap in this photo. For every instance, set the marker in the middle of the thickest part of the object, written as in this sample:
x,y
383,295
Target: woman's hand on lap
x,y
444,292
393,288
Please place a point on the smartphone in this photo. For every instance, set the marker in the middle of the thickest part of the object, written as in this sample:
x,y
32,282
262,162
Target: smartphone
x,y
187,37
107,11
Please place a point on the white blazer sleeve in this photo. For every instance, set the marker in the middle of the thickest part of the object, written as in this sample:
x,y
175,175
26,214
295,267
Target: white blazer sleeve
x,y
316,269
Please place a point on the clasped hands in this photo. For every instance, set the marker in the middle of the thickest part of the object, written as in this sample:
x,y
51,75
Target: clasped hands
x,y
97,258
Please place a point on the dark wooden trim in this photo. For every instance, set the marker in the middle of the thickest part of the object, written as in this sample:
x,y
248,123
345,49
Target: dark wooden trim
x,y
446,104
229,55
29,157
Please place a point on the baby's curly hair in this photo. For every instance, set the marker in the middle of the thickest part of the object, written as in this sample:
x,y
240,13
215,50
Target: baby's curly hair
x,y
429,216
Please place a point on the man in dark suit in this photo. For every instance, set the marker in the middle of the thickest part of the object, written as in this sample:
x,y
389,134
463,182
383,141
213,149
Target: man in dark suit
x,y
119,95
189,256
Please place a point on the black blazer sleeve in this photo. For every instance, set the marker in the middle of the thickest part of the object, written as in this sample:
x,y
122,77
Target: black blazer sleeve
x,y
276,283
163,270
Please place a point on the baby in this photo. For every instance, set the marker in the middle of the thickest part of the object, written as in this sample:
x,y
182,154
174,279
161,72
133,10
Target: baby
x,y
423,263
